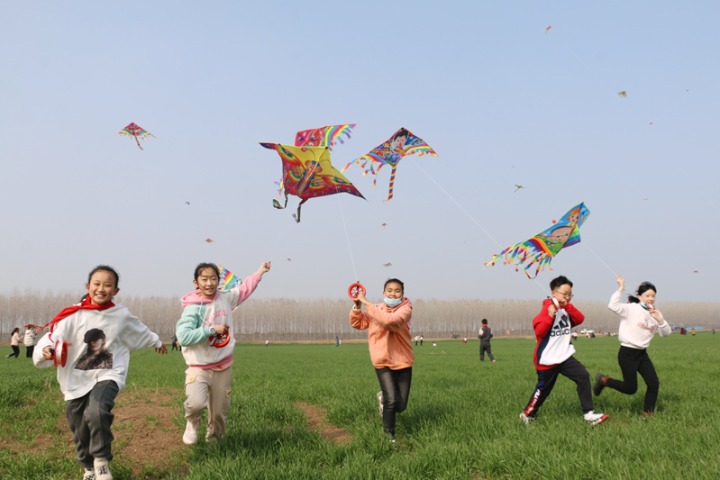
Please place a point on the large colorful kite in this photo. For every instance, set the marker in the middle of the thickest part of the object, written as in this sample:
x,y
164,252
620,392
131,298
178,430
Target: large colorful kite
x,y
137,132
324,136
401,144
540,249
308,173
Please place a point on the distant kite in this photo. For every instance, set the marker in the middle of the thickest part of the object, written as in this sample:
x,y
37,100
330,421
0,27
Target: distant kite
x,y
209,240
518,187
540,249
390,152
548,28
622,93
387,264
137,132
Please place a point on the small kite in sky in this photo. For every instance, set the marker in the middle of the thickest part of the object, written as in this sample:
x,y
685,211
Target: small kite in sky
x,y
518,187
383,225
548,28
308,173
209,240
137,132
540,249
622,93
228,279
324,136
387,264
390,152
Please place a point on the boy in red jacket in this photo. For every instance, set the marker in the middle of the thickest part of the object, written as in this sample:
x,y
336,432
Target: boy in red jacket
x,y
554,352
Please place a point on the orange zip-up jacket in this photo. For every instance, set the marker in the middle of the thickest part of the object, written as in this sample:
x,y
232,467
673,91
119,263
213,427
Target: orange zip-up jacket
x,y
388,334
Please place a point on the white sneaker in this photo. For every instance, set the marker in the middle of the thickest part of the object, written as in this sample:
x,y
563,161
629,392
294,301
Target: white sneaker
x,y
379,397
89,474
102,469
525,419
595,418
191,432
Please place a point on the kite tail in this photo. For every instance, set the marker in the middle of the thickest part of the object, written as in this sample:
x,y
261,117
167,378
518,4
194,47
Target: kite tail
x,y
138,142
392,183
277,205
296,216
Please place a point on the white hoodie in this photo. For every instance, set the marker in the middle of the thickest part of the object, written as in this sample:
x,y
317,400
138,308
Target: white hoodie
x,y
123,332
637,327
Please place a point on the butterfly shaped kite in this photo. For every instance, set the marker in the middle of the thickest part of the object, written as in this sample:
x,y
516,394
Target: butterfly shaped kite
x,y
308,173
136,131
390,152
540,249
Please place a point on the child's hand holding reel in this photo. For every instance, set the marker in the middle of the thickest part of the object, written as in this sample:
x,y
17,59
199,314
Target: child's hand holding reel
x,y
357,292
58,354
219,335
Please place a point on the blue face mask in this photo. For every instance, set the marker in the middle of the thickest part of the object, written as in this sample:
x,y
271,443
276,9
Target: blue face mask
x,y
392,302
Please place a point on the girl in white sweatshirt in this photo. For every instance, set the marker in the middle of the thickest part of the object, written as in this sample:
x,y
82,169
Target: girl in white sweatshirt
x,y
639,322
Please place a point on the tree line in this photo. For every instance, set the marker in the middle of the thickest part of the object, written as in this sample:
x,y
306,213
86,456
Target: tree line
x,y
283,319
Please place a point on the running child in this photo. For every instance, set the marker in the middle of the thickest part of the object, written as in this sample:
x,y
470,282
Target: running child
x,y
554,352
639,322
90,388
388,326
206,317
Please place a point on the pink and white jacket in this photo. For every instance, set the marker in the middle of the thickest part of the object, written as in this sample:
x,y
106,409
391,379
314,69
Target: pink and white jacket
x,y
200,313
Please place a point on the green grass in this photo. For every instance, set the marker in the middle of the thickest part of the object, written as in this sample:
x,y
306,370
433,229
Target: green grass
x,y
461,422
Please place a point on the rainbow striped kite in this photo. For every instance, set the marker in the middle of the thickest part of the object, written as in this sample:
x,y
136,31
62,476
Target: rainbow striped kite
x,y
401,144
228,279
540,249
324,136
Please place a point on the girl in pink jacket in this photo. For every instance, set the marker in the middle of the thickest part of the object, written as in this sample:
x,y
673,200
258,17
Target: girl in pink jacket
x,y
388,326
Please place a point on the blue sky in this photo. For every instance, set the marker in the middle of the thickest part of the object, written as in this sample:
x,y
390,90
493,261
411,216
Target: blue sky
x,y
502,101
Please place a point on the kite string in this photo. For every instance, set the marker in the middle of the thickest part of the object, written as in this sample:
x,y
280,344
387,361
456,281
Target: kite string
x,y
464,210
584,244
347,236
459,205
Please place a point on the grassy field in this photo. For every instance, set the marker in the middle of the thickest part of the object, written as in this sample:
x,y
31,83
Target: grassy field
x,y
309,411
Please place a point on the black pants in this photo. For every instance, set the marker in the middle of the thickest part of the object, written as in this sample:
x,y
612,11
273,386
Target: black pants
x,y
395,386
631,362
90,418
485,348
15,353
572,369
29,351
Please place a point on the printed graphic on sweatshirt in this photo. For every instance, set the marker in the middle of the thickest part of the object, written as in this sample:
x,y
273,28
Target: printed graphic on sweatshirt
x,y
96,357
561,327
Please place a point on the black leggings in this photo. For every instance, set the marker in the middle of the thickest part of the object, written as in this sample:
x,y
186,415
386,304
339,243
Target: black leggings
x,y
395,386
633,361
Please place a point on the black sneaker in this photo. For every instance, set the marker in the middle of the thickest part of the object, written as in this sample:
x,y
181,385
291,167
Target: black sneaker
x,y
599,384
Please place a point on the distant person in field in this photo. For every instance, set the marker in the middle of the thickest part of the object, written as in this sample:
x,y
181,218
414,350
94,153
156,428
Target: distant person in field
x,y
206,317
485,334
389,341
14,343
174,343
640,320
554,352
29,339
96,324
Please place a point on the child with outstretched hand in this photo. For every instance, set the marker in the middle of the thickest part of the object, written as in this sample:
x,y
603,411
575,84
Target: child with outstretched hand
x,y
207,318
